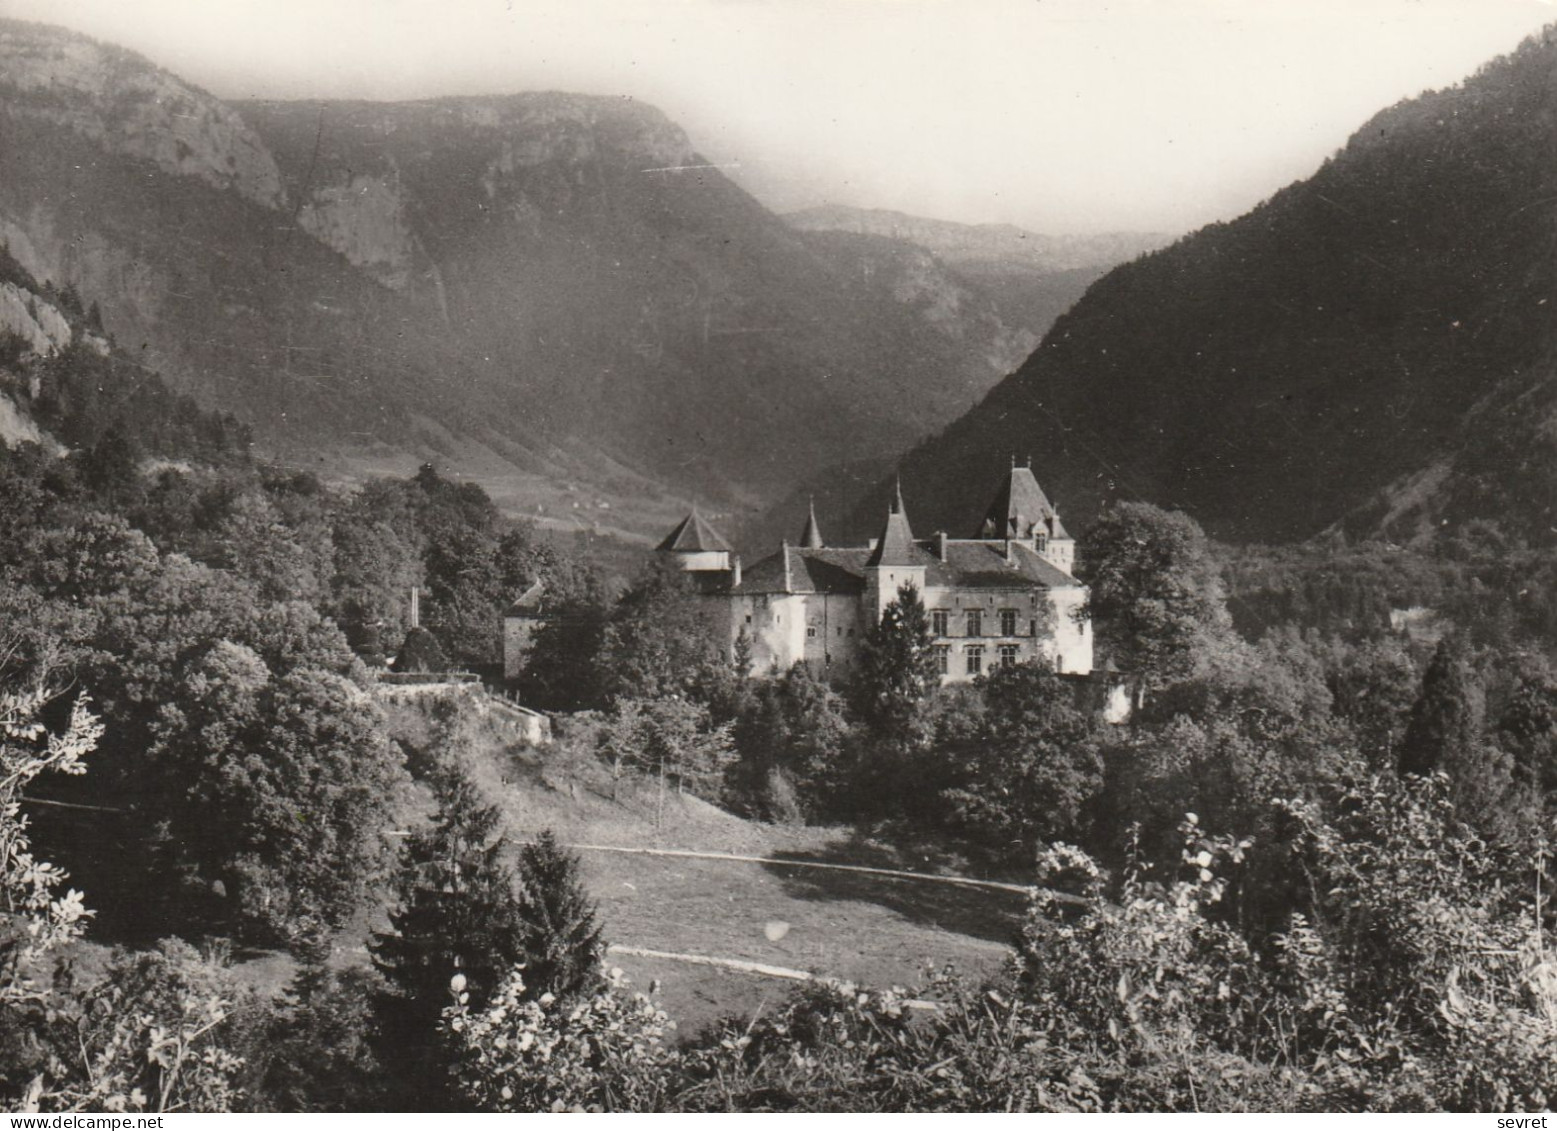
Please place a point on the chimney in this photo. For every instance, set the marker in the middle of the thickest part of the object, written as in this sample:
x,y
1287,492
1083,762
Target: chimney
x,y
1010,554
416,607
940,544
735,582
789,580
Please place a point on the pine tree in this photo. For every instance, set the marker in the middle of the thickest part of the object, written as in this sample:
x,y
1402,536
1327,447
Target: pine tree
x,y
1446,718
895,673
458,915
559,937
1445,734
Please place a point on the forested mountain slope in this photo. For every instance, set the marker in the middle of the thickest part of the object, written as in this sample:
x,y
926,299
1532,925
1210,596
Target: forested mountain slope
x,y
1372,344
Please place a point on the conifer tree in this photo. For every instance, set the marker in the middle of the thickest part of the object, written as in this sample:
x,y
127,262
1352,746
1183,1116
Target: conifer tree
x,y
457,915
1445,734
895,672
1446,718
559,937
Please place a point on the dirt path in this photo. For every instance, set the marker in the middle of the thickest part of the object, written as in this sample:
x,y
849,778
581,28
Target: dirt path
x,y
783,862
760,969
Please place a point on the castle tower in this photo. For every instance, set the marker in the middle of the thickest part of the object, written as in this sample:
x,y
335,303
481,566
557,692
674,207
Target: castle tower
x,y
1021,512
894,562
811,539
700,550
696,546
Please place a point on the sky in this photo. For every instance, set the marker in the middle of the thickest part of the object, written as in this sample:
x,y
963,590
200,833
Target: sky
x,y
1065,116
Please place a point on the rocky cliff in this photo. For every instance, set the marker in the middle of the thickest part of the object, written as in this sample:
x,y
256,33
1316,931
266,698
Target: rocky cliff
x,y
545,290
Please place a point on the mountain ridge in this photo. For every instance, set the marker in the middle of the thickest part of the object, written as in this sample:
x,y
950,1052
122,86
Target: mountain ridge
x,y
540,290
1275,374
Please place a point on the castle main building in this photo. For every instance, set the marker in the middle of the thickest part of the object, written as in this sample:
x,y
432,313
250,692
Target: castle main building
x,y
1005,596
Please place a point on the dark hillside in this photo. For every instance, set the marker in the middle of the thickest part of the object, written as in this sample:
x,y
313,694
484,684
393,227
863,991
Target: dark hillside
x,y
1273,374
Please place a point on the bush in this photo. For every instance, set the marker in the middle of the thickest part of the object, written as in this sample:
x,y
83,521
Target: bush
x,y
520,1053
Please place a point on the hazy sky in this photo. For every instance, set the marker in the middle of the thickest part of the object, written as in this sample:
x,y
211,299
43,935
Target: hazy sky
x,y
1061,115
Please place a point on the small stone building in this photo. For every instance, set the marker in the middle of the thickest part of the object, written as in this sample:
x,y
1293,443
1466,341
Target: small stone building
x,y
520,622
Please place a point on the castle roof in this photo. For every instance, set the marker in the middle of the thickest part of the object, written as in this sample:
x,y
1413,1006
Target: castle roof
x,y
693,535
895,547
1019,506
528,603
970,564
811,539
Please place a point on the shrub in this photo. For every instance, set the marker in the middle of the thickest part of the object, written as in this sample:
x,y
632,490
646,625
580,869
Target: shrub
x,y
604,1051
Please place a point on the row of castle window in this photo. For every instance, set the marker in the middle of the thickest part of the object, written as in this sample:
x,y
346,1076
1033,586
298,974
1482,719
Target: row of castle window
x,y
812,632
973,657
940,623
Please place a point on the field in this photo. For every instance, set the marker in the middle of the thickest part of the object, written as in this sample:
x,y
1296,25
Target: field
x,y
872,929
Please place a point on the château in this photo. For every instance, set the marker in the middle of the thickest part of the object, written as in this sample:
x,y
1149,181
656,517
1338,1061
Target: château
x,y
1006,595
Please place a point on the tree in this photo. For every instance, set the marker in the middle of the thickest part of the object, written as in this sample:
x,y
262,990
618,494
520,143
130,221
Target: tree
x,y
420,652
111,467
895,672
39,916
142,1038
1446,735
1155,592
1527,724
1446,718
659,641
318,1046
374,572
564,670
457,915
161,1031
279,788
1373,686
559,938
672,740
1031,766
791,735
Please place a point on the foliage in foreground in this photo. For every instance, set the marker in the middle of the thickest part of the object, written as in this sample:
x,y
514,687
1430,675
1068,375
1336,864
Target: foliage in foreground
x,y
148,1036
1410,978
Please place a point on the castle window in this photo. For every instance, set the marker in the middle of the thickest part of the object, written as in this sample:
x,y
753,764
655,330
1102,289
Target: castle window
x,y
810,632
1042,543
1009,655
1007,622
940,622
748,618
975,659
942,658
975,623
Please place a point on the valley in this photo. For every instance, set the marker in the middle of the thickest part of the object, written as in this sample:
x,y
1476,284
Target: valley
x,y
495,616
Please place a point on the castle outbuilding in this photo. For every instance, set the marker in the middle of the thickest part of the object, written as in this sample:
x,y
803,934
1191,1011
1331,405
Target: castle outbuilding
x,y
1004,596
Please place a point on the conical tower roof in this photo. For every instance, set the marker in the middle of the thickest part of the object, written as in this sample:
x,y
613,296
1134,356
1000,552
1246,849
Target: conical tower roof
x,y
895,547
811,539
693,535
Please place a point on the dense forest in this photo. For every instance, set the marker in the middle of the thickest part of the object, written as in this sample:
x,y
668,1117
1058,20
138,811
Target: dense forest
x,y
1306,874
